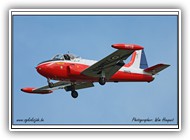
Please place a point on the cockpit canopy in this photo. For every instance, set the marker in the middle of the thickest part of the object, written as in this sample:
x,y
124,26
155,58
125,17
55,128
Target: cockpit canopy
x,y
64,57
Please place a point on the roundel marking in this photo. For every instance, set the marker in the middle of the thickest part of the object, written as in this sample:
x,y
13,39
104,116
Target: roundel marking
x,y
115,57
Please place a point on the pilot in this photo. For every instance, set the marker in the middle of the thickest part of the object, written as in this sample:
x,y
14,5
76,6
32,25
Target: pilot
x,y
67,57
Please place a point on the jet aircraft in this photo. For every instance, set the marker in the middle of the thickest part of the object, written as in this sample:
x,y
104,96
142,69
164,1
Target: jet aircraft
x,y
73,73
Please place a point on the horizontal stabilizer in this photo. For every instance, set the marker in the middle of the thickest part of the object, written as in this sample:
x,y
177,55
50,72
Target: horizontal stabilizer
x,y
156,68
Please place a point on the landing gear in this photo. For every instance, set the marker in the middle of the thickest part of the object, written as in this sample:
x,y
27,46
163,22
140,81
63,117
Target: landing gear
x,y
74,94
102,80
50,84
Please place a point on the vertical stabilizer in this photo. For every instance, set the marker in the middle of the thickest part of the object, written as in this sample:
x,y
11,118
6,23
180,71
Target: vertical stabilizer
x,y
138,60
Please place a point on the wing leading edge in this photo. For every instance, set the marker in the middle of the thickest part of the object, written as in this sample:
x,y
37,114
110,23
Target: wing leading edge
x,y
109,65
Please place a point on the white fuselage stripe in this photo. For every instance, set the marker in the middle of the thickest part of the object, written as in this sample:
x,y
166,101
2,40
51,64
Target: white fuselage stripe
x,y
91,62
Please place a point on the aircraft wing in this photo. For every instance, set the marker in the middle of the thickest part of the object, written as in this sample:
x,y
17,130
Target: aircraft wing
x,y
109,65
58,85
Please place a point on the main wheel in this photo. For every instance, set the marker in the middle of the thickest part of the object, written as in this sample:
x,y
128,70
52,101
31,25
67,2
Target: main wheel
x,y
50,84
74,94
102,81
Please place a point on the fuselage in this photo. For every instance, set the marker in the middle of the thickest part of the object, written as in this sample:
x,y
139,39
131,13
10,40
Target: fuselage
x,y
71,70
73,73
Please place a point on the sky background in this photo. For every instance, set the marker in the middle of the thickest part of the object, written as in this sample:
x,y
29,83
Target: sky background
x,y
39,38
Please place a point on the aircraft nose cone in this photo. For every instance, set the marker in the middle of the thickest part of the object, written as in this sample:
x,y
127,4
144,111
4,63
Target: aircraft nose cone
x,y
45,69
38,68
41,68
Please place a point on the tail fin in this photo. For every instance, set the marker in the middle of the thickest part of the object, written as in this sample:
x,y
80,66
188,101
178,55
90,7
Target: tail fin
x,y
138,60
156,68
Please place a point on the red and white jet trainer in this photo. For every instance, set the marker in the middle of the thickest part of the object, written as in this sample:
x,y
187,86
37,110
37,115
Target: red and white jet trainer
x,y
74,73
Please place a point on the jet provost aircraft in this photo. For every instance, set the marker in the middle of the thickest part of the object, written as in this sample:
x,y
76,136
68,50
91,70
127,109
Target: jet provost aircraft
x,y
74,73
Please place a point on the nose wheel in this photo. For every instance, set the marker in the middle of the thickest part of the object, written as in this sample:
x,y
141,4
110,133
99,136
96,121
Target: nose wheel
x,y
51,85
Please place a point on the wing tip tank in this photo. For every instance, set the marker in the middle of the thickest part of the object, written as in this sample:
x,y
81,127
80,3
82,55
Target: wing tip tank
x,y
32,90
127,46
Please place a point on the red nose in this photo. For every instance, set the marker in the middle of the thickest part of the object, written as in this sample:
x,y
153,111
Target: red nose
x,y
40,68
43,69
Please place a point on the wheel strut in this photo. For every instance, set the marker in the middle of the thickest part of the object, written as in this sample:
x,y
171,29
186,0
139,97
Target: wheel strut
x,y
50,84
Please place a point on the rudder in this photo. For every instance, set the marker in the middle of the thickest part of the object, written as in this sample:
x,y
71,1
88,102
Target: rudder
x,y
143,63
